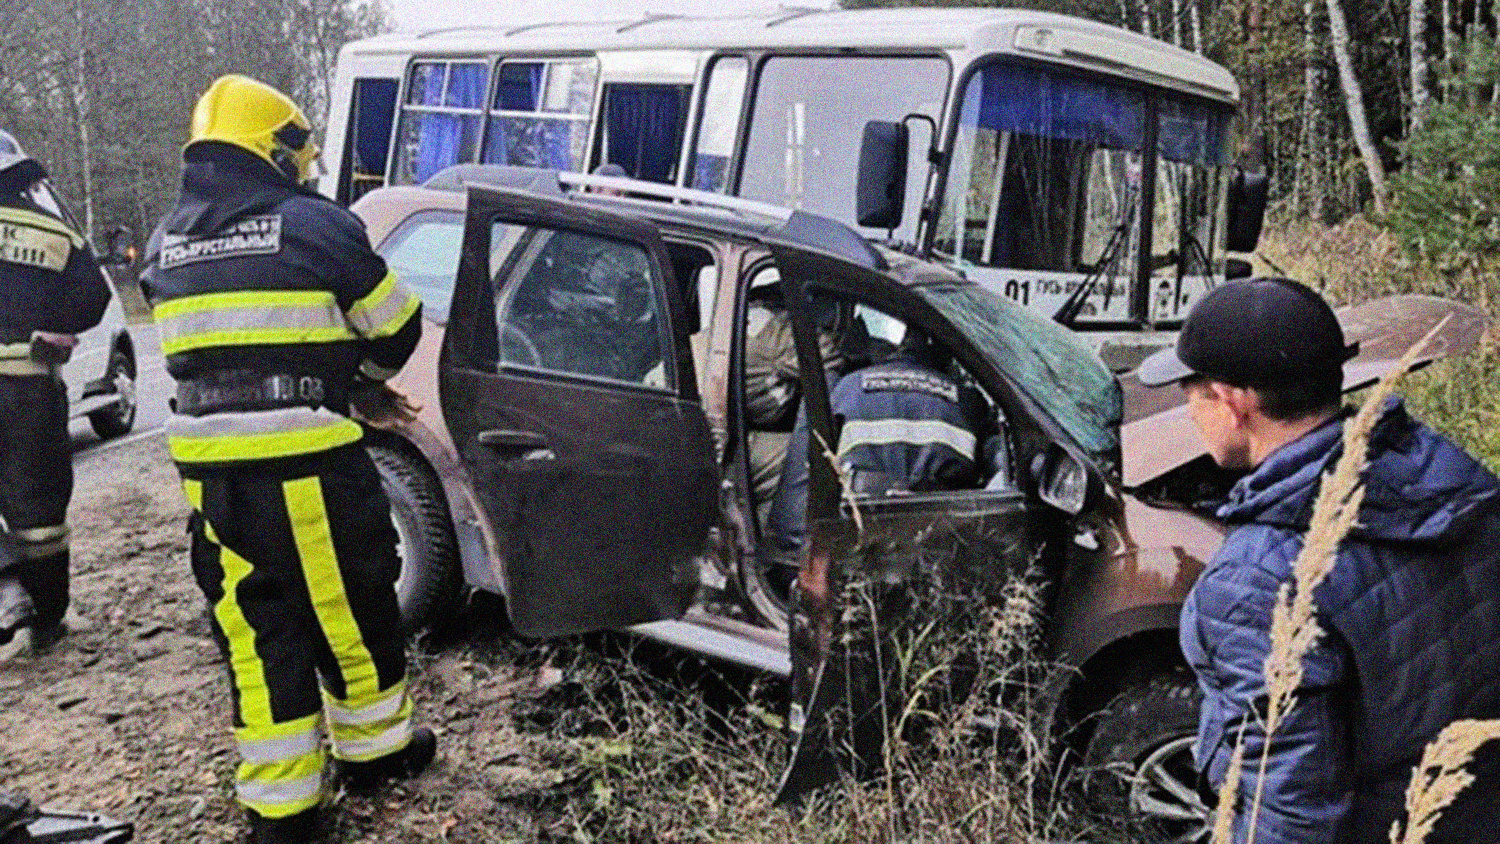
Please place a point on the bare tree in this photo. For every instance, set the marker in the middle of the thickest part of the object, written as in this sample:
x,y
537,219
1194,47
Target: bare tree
x,y
1354,102
1417,35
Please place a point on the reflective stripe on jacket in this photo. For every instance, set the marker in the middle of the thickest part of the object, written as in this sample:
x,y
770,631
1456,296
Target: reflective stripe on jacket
x,y
250,272
49,281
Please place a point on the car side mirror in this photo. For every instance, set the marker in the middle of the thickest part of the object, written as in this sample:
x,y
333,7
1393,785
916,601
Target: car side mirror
x,y
1248,192
881,190
119,247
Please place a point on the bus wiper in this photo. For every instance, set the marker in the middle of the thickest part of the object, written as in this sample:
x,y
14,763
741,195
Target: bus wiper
x,y
1068,311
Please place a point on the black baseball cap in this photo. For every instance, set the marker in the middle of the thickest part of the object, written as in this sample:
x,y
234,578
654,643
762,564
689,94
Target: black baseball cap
x,y
1257,332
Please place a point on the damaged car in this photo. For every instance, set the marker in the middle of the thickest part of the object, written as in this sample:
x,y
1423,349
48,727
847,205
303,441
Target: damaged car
x,y
609,379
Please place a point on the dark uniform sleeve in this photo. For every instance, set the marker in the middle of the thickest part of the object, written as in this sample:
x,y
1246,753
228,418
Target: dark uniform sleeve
x,y
86,294
378,306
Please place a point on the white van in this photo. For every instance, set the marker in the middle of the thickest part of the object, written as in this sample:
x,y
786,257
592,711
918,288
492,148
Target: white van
x,y
101,372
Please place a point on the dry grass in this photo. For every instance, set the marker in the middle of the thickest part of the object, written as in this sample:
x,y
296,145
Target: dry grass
x,y
1440,777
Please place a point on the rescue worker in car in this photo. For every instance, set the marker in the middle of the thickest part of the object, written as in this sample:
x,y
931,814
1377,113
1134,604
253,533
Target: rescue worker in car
x,y
51,288
903,425
275,318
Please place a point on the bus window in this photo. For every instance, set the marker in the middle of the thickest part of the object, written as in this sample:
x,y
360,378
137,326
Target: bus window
x,y
440,119
1045,188
1045,185
809,117
1188,237
371,117
642,128
719,128
540,114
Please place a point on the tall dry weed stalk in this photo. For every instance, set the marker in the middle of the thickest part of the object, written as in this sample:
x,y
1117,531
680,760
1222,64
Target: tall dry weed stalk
x,y
1440,777
1294,625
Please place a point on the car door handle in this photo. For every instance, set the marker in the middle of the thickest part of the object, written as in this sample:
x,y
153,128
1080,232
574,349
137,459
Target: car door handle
x,y
517,445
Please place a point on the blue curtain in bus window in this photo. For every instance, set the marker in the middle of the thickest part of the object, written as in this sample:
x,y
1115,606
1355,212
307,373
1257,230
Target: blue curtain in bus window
x,y
1192,132
466,86
439,142
1038,102
644,127
375,105
519,87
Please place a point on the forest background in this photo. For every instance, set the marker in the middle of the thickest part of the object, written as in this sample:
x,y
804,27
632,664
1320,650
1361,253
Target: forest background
x,y
1345,101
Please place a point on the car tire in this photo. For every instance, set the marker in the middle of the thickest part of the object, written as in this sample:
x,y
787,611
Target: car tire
x,y
118,419
1139,763
429,581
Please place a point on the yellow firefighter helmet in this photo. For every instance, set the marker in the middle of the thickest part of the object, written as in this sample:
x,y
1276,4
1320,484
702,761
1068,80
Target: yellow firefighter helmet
x,y
254,116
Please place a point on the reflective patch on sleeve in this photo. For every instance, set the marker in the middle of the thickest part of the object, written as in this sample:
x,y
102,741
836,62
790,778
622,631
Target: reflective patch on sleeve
x,y
32,246
384,310
251,236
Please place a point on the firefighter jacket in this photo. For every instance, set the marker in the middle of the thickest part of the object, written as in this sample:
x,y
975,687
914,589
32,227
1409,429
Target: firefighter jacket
x,y
904,426
49,281
271,305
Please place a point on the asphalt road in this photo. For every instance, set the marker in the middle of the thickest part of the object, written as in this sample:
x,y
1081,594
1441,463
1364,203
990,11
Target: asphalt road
x,y
153,387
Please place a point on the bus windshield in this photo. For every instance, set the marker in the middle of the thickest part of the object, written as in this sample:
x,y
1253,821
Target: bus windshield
x,y
1047,188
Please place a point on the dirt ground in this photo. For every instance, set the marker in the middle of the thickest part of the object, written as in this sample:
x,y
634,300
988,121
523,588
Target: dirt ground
x,y
128,716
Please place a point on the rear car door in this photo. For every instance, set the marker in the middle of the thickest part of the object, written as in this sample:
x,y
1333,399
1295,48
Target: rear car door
x,y
568,388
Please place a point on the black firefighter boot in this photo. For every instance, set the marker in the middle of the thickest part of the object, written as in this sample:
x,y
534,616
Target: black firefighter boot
x,y
405,763
301,828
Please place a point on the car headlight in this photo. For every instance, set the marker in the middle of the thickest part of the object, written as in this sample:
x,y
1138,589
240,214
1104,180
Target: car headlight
x,y
1062,481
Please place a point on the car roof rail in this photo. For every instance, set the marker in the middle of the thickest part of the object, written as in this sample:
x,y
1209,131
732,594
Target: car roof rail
x,y
792,226
687,196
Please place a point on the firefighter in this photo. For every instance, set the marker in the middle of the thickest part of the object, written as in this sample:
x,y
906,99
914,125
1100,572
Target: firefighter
x,y
51,288
276,318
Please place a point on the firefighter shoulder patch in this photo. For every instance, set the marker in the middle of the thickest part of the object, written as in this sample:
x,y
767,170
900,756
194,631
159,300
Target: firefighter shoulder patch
x,y
33,246
251,236
909,381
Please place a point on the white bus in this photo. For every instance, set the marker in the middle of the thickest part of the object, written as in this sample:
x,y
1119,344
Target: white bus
x,y
1079,168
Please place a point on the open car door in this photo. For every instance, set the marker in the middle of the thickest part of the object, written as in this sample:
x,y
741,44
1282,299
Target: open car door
x,y
568,388
884,579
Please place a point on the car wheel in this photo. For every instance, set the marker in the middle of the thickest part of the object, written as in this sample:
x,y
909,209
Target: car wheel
x,y
429,580
1140,764
117,419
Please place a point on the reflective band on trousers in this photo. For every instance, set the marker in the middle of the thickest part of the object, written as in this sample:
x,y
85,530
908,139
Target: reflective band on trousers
x,y
15,359
385,706
258,435
369,732
280,798
266,751
860,432
384,310
250,318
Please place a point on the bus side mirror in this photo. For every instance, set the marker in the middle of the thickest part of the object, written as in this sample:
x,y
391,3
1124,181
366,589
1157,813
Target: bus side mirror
x,y
119,248
1247,209
882,175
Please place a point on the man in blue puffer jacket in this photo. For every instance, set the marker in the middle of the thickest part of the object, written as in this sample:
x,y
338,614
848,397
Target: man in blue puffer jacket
x,y
1410,612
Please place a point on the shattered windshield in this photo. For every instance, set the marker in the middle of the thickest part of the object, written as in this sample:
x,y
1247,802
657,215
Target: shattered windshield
x,y
1047,361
